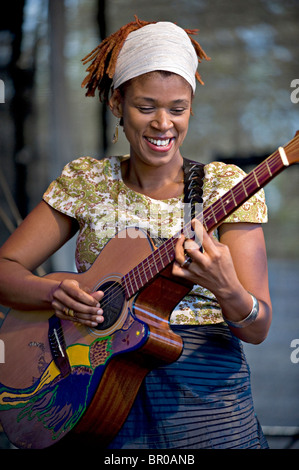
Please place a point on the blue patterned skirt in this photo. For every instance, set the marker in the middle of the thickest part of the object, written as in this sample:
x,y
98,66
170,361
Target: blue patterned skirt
x,y
202,401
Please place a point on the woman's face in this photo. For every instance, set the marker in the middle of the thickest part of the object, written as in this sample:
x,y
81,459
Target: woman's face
x,y
156,109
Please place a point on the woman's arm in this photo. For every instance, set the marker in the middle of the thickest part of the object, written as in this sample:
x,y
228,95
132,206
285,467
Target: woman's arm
x,y
231,269
42,233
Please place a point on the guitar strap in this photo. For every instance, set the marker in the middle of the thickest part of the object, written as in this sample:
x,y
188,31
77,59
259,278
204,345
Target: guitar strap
x,y
193,187
193,183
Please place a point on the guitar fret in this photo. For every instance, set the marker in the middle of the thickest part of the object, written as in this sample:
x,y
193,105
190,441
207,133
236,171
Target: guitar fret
x,y
144,272
244,187
232,193
230,202
135,280
164,257
160,257
166,252
268,168
124,282
149,264
141,281
213,214
223,206
173,244
131,285
169,260
128,285
255,177
156,267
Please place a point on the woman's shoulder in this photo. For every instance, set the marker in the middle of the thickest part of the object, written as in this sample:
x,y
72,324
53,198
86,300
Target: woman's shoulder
x,y
81,182
220,177
219,171
87,164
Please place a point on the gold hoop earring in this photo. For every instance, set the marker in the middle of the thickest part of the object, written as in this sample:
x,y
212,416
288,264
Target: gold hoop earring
x,y
115,135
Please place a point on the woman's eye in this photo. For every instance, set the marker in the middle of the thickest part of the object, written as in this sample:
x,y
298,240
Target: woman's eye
x,y
150,109
178,110
145,109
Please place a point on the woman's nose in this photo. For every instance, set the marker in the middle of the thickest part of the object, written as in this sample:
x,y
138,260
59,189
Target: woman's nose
x,y
162,120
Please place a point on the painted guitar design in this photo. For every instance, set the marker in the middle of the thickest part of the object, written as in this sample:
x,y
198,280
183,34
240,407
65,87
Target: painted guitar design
x,y
63,379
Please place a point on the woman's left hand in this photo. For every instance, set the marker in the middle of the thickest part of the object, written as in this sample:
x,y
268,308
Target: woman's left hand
x,y
212,267
231,271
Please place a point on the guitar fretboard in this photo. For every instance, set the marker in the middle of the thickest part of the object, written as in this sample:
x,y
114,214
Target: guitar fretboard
x,y
211,217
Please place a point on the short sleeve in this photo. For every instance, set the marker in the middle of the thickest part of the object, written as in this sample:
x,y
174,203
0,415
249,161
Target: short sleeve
x,y
220,178
75,187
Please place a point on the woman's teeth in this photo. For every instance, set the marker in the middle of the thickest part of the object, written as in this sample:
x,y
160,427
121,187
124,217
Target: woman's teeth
x,y
159,142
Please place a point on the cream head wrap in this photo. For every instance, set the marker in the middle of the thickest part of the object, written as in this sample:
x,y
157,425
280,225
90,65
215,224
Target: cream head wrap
x,y
158,46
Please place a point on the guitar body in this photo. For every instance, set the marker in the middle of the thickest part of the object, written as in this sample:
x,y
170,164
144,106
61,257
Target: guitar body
x,y
60,376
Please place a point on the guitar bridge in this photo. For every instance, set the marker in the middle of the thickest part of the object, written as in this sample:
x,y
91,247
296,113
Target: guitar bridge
x,y
57,346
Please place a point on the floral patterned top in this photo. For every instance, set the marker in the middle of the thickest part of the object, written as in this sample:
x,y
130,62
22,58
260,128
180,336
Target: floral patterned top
x,y
93,192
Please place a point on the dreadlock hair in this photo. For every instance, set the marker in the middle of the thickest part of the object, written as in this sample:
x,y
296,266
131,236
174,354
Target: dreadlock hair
x,y
104,57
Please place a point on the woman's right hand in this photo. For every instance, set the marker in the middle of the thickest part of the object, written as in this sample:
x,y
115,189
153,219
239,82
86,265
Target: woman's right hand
x,y
70,301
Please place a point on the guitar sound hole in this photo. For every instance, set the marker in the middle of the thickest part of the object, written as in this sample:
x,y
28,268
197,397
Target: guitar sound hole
x,y
112,303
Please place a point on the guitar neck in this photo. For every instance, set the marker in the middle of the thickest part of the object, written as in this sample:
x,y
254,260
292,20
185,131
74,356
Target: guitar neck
x,y
217,212
211,217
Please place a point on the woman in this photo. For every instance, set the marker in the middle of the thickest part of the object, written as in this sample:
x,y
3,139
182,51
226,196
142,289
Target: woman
x,y
203,400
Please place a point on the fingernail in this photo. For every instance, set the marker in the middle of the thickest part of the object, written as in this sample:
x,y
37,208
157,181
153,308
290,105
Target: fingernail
x,y
99,319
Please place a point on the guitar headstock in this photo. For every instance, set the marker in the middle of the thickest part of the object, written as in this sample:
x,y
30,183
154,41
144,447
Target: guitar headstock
x,y
292,149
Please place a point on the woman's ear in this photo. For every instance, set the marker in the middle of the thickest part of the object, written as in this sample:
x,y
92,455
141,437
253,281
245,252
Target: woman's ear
x,y
115,104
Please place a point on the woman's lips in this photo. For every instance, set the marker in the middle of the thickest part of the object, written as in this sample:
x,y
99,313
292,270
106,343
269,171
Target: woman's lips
x,y
159,145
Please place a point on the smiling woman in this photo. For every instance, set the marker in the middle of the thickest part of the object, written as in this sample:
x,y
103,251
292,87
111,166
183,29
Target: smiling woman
x,y
206,297
155,110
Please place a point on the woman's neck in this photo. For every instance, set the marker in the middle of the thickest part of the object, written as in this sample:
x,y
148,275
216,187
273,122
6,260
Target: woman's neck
x,y
159,182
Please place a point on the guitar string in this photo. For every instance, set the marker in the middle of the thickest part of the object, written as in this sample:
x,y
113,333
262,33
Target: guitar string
x,y
218,207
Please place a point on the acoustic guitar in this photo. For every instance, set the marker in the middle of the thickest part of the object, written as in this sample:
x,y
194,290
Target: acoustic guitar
x,y
61,379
